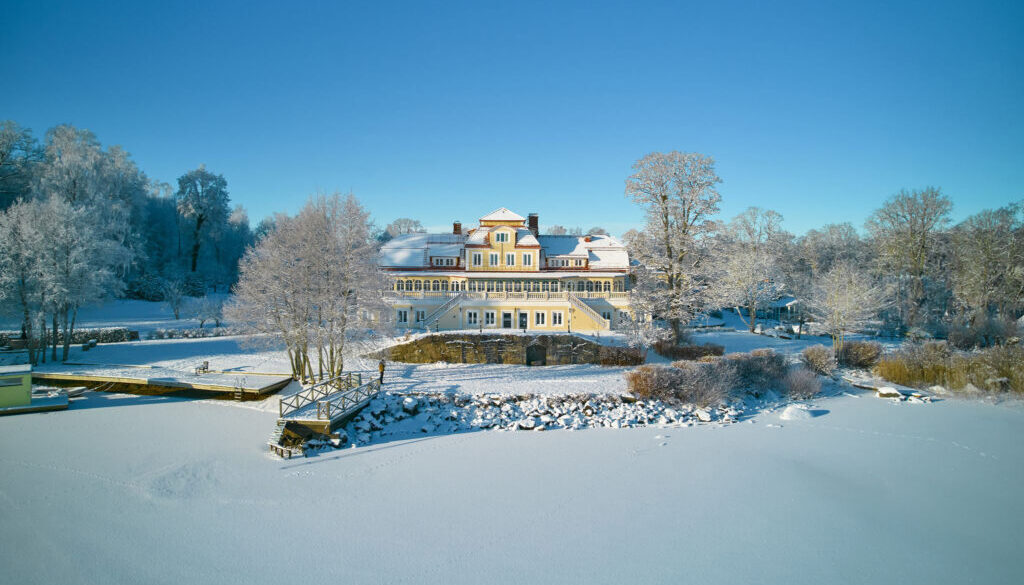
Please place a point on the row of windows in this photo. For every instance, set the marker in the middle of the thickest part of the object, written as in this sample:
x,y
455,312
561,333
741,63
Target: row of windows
x,y
564,262
492,259
473,317
540,318
510,285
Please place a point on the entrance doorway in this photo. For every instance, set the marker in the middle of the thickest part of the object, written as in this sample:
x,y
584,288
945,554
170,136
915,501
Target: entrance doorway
x,y
536,355
506,320
523,320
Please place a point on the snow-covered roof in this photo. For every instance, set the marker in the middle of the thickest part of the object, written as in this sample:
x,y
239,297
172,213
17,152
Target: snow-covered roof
x,y
525,237
479,236
444,250
783,302
602,251
502,214
562,245
414,250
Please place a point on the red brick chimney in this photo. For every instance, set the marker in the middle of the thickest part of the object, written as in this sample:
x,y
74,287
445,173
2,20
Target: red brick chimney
x,y
531,222
457,228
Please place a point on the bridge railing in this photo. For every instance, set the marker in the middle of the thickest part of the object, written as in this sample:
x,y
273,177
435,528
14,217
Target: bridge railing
x,y
337,405
319,391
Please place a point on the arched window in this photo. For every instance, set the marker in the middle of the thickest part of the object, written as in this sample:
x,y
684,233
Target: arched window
x,y
618,285
418,284
607,286
544,286
437,285
518,286
399,285
444,285
408,285
590,285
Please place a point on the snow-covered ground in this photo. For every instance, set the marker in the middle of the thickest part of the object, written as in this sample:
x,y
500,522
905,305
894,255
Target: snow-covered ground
x,y
125,489
141,316
856,489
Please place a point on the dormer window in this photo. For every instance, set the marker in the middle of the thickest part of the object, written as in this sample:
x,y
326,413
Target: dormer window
x,y
501,237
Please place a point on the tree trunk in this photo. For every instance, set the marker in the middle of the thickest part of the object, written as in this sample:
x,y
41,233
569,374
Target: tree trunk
x,y
69,331
53,352
196,242
753,316
26,328
677,329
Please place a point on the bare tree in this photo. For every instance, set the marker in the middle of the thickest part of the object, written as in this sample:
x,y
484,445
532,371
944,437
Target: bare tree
x,y
904,232
988,271
844,299
750,274
173,291
556,230
324,283
678,192
597,231
402,226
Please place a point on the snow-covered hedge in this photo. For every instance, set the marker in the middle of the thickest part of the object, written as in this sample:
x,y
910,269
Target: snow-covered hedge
x,y
191,333
107,335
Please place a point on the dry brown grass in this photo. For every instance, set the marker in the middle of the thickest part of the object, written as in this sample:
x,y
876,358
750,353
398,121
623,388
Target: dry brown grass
x,y
997,369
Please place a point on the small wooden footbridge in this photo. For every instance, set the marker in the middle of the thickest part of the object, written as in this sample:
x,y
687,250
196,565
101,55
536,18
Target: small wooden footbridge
x,y
320,409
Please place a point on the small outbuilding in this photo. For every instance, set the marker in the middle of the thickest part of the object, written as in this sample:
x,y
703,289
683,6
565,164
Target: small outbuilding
x,y
16,392
15,385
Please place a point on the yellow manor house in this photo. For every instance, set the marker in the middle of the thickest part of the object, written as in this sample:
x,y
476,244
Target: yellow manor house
x,y
505,275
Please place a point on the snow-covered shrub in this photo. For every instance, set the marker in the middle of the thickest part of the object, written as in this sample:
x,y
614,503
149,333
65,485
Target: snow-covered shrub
x,y
687,352
761,368
819,358
860,354
801,383
984,332
620,356
659,382
996,369
687,382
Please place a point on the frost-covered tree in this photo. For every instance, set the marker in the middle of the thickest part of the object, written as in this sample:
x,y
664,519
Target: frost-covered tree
x,y
173,293
646,301
556,230
202,200
79,262
325,283
21,290
19,154
678,192
597,231
988,268
206,309
402,226
846,298
749,273
904,232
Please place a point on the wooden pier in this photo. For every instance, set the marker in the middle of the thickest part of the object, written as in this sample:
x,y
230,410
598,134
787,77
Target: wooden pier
x,y
322,408
159,380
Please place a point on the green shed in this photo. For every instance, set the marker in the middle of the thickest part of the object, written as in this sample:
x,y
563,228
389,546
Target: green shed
x,y
15,385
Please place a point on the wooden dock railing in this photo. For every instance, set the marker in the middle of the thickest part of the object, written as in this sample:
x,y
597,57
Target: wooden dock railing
x,y
319,391
338,405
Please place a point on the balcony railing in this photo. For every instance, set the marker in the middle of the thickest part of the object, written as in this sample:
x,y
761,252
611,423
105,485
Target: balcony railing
x,y
512,295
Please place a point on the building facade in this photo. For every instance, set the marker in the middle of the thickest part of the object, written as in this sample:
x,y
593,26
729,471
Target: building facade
x,y
504,275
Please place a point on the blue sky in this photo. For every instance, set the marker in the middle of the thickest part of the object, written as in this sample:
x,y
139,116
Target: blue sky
x,y
442,111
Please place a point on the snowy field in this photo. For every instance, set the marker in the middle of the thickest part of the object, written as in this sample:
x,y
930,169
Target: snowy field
x,y
148,489
126,489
